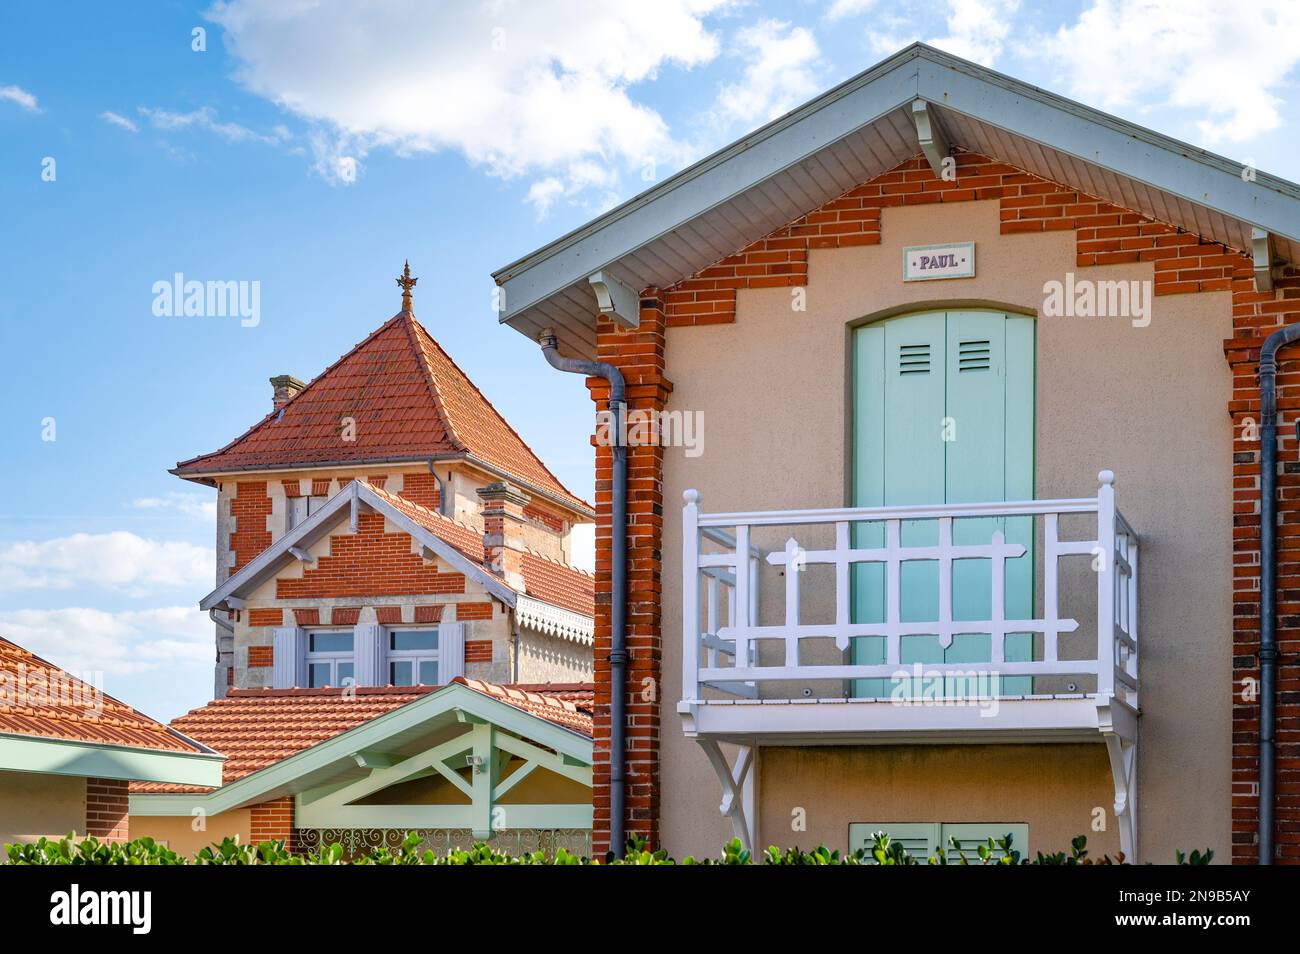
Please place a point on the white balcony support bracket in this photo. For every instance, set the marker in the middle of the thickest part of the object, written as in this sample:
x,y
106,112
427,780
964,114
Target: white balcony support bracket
x,y
1121,749
929,135
1261,243
616,300
736,789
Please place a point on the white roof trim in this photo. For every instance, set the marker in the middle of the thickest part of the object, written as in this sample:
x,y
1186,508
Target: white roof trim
x,y
549,287
356,494
555,620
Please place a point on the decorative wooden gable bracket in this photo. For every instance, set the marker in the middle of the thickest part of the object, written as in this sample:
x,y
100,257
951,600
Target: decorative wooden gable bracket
x,y
930,136
615,299
737,787
1266,258
486,751
1118,725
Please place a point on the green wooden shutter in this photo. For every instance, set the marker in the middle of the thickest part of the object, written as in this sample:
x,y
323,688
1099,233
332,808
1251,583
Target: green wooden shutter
x,y
918,838
966,375
922,839
971,836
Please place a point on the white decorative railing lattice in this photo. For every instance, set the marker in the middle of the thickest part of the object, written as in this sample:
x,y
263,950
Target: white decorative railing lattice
x,y
722,592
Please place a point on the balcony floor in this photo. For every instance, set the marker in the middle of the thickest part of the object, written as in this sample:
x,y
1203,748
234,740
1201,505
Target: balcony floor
x,y
1071,717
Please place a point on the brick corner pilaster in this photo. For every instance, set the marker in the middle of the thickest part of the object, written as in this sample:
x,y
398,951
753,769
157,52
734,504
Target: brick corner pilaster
x,y
108,809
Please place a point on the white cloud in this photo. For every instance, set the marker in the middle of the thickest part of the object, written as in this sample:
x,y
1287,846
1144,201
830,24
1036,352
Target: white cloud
x,y
521,87
86,640
780,73
1223,60
118,120
118,561
16,94
206,118
198,506
977,29
848,8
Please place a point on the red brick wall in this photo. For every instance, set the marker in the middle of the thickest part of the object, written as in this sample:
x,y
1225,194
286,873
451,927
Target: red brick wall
x,y
272,821
478,650
429,614
265,617
345,615
1106,234
639,354
306,617
249,507
388,615
469,611
421,489
369,563
549,521
107,809
261,657
1255,316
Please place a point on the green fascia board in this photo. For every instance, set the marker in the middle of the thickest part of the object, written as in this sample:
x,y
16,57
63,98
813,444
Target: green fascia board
x,y
99,760
279,779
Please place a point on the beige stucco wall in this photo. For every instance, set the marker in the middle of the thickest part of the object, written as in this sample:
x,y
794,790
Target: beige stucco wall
x,y
1148,403
547,658
178,832
33,805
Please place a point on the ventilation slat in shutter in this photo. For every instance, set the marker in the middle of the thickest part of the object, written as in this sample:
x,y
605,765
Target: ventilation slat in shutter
x,y
973,355
914,359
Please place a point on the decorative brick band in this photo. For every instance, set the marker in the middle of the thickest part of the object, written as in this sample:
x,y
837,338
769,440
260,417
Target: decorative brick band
x,y
261,657
478,650
377,480
345,615
429,613
471,611
388,615
266,617
307,617
108,809
292,488
320,488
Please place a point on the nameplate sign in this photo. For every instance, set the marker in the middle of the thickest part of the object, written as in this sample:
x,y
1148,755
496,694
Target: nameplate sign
x,y
922,263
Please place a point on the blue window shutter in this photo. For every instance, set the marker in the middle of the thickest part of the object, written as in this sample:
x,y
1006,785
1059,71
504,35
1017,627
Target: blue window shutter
x,y
451,651
368,648
289,660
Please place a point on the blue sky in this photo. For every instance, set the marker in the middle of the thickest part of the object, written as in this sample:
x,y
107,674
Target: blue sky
x,y
313,146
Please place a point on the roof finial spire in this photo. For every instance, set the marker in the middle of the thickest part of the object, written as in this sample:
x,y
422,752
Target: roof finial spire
x,y
407,283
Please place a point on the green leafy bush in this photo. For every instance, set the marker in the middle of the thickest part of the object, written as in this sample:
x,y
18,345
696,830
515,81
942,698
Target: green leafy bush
x,y
883,851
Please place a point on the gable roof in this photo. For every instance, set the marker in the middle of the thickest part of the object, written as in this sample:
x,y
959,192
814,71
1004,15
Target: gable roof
x,y
258,729
544,579
52,722
410,401
853,133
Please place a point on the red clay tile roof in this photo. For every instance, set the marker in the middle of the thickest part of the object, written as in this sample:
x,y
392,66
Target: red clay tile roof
x,y
410,401
559,584
255,728
538,701
544,579
67,711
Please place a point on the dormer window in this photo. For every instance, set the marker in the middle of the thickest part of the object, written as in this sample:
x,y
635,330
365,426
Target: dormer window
x,y
330,659
413,657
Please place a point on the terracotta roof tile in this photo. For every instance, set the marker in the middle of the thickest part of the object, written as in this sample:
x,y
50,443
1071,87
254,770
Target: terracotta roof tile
x,y
559,584
69,714
410,401
255,728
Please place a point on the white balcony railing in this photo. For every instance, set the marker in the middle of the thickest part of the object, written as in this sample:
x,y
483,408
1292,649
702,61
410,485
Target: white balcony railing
x,y
728,649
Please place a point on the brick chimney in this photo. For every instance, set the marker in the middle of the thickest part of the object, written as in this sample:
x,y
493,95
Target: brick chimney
x,y
286,386
503,521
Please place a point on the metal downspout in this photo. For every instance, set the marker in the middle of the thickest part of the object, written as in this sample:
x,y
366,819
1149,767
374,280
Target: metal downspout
x,y
1268,655
618,576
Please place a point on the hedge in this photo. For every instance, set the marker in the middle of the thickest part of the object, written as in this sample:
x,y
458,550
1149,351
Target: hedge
x,y
883,851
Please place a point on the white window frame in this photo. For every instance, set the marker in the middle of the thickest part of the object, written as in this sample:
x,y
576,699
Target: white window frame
x,y
413,656
333,657
311,506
